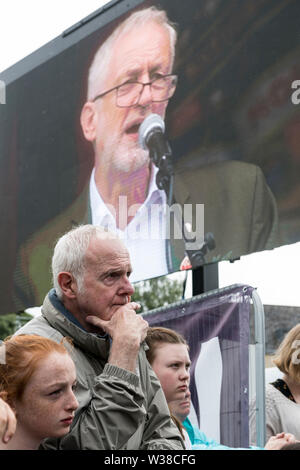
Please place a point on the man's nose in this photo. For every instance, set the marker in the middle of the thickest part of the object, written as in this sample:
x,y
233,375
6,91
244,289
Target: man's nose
x,y
127,288
146,96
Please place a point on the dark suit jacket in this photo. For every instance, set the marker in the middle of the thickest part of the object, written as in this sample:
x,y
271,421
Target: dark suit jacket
x,y
239,209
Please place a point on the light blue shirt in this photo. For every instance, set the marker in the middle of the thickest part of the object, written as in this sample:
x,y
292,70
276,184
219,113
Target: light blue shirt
x,y
200,441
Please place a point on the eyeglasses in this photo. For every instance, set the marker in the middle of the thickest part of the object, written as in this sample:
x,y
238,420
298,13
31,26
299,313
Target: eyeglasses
x,y
129,93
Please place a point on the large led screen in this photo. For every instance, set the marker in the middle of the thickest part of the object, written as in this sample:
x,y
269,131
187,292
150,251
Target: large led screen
x,y
212,175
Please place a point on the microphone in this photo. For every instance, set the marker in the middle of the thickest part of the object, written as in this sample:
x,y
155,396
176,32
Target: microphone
x,y
151,137
197,257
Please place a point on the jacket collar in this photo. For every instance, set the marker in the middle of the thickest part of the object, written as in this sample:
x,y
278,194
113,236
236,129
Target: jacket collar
x,y
63,321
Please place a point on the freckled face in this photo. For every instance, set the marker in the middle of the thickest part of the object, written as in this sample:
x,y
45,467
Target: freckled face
x,y
172,367
47,406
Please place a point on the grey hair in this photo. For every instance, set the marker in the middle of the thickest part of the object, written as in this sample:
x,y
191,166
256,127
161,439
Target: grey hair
x,y
139,18
69,253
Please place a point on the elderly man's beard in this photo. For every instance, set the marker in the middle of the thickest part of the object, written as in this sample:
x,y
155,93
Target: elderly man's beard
x,y
124,157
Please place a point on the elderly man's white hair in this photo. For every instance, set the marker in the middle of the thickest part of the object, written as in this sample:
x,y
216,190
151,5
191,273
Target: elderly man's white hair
x,y
69,252
99,67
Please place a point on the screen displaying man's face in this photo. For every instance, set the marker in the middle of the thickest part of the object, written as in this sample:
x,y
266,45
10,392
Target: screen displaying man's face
x,y
70,158
141,55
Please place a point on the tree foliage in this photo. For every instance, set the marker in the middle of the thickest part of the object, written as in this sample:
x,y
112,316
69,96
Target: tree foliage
x,y
157,292
11,322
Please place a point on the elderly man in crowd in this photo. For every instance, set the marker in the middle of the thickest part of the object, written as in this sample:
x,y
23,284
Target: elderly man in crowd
x,y
121,403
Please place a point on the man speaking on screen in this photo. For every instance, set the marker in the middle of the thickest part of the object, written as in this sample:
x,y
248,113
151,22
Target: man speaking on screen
x,y
130,78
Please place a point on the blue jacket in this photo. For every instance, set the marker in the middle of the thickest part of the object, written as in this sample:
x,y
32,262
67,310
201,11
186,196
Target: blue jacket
x,y
200,441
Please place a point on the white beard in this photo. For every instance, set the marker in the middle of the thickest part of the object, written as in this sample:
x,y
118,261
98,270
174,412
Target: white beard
x,y
124,158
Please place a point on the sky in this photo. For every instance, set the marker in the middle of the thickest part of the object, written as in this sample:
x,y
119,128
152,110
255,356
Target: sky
x,y
28,25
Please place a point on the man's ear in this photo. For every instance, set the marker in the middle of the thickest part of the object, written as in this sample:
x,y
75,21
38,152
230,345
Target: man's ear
x,y
67,284
88,120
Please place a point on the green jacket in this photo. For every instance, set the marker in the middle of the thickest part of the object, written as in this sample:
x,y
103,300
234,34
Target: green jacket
x,y
117,408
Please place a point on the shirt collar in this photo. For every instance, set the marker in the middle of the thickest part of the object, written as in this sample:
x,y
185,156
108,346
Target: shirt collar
x,y
101,214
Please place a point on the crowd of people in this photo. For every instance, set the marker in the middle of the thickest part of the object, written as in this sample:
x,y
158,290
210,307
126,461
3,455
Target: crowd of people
x,y
89,373
168,355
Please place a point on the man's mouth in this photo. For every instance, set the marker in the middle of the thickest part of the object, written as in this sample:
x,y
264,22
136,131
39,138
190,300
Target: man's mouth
x,y
133,129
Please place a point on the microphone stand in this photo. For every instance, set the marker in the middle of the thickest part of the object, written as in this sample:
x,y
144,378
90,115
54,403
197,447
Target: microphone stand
x,y
161,155
164,180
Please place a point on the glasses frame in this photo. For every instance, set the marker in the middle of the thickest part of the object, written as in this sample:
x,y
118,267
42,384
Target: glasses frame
x,y
101,95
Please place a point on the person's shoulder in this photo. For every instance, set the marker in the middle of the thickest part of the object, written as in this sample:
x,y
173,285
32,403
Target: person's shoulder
x,y
39,326
273,396
235,180
271,390
32,327
220,174
227,167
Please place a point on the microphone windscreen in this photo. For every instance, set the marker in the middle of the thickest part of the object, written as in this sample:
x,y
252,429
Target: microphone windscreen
x,y
148,126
